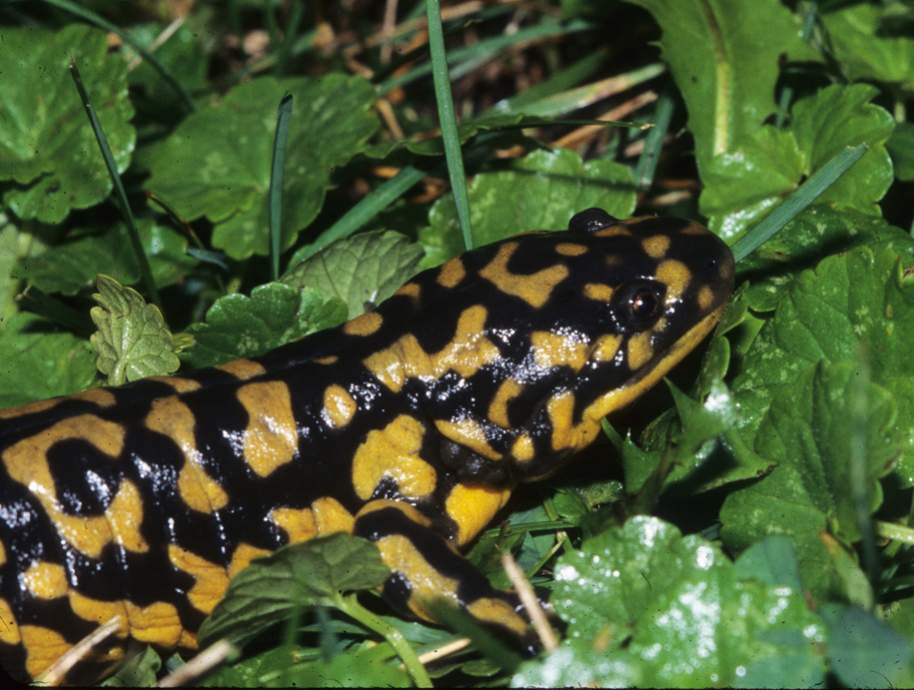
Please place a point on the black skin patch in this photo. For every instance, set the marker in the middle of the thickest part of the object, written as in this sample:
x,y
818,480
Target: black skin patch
x,y
86,480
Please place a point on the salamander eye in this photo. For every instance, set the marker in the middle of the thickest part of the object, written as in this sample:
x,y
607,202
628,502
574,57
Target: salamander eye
x,y
639,304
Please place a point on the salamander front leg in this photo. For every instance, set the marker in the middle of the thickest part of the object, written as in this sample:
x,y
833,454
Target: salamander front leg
x,y
427,567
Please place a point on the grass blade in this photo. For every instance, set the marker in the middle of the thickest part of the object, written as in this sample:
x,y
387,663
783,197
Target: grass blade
x,y
809,191
102,23
120,194
448,120
653,142
277,173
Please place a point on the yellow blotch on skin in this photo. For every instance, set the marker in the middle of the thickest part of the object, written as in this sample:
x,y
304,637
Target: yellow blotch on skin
x,y
570,249
98,611
413,290
393,452
469,433
329,359
675,275
498,611
523,449
97,396
426,582
339,407
705,297
43,647
366,324
467,352
188,640
31,408
298,523
244,554
331,516
534,289
9,628
173,418
639,350
211,579
498,409
409,511
271,439
157,623
614,231
606,347
566,434
473,507
656,246
243,369
46,580
452,273
26,461
556,350
598,291
180,385
121,522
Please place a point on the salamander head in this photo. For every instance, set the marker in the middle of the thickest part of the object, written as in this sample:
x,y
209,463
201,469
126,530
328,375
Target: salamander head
x,y
641,294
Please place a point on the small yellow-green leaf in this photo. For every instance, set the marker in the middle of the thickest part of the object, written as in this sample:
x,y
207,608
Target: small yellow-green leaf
x,y
132,340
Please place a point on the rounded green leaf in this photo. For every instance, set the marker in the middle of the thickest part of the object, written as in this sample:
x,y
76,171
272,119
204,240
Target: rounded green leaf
x,y
743,185
37,361
865,50
46,144
677,610
275,314
364,269
216,164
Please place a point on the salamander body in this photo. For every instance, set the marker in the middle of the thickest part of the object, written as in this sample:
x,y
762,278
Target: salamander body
x,y
409,425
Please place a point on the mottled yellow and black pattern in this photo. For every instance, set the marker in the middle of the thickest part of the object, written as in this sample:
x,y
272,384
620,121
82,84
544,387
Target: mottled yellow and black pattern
x,y
409,425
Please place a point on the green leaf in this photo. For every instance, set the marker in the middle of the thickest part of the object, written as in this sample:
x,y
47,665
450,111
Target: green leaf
x,y
72,265
864,50
140,671
678,613
132,340
864,652
901,148
313,573
742,185
539,192
726,67
362,665
274,314
856,299
46,144
217,162
773,560
364,269
38,361
576,664
811,494
10,241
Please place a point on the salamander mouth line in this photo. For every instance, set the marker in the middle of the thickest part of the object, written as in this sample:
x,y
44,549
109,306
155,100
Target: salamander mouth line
x,y
654,370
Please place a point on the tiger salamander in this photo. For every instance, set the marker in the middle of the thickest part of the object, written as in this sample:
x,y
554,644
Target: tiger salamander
x,y
410,425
